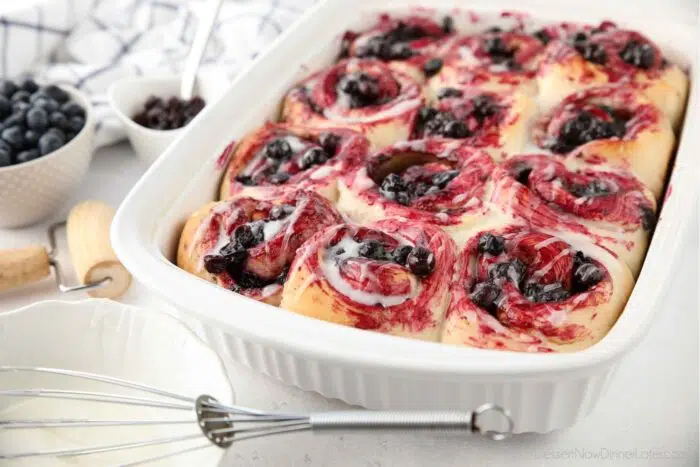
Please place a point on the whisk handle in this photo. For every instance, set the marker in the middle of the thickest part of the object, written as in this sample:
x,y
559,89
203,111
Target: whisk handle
x,y
414,420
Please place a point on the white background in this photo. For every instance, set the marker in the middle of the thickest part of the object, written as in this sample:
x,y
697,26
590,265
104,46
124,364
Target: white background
x,y
649,413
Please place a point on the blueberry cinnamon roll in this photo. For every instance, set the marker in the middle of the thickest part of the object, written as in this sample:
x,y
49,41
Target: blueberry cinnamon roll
x,y
279,155
610,126
410,42
527,291
391,277
246,244
497,122
611,208
494,60
436,181
607,54
366,95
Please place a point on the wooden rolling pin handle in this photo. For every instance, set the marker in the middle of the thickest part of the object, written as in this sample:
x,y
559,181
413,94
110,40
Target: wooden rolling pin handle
x,y
91,250
20,266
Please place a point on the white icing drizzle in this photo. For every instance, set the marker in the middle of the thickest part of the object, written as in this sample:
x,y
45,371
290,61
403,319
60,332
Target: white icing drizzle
x,y
271,228
545,269
362,181
322,172
467,56
332,275
398,108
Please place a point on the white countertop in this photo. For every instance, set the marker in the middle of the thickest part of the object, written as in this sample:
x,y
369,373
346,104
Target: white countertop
x,y
649,415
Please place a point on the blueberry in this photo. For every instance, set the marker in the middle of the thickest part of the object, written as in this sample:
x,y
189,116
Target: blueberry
x,y
448,25
5,158
584,128
579,37
245,180
445,93
70,135
248,280
31,138
455,129
484,106
75,124
56,93
72,109
5,146
432,67
421,189
26,156
30,86
58,120
420,261
49,142
21,96
542,36
37,119
281,211
497,49
362,89
14,136
586,275
329,142
553,292
16,119
153,101
400,254
58,132
393,183
592,189
638,54
312,156
46,103
648,218
194,106
40,94
403,198
278,149
279,178
248,235
372,249
234,254
5,107
441,179
215,264
491,244
7,88
514,271
20,106
592,52
521,172
484,295
426,114
399,52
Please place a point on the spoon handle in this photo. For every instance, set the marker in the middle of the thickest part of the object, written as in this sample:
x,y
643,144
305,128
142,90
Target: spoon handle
x,y
199,45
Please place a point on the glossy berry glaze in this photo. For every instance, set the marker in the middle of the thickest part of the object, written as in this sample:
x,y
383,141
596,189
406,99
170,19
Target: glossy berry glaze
x,y
619,54
247,244
413,39
391,276
495,57
474,115
288,155
435,180
595,118
357,94
519,289
549,195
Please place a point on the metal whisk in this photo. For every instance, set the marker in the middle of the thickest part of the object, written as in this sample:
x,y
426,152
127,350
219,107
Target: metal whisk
x,y
223,425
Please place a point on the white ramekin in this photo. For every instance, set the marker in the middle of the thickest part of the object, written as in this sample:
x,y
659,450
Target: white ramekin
x,y
543,391
31,191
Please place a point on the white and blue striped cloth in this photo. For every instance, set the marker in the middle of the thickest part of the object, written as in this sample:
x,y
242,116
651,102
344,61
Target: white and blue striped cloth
x,y
92,43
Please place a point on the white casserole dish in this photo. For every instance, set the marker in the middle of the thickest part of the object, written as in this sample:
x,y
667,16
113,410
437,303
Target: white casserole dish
x,y
543,391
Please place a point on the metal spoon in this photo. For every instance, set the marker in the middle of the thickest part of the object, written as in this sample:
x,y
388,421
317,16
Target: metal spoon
x,y
199,45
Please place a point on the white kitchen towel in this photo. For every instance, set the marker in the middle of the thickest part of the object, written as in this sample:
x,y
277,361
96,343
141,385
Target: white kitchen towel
x,y
92,43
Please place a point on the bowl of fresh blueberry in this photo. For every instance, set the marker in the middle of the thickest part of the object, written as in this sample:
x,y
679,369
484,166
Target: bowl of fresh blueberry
x,y
45,148
152,113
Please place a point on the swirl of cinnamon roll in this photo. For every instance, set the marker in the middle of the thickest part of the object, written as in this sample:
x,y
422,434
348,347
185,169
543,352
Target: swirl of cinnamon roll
x,y
528,291
246,243
369,96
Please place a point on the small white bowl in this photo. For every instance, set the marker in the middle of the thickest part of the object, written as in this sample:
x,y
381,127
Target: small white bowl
x,y
33,190
112,339
128,96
